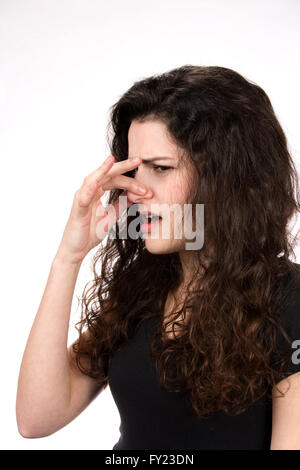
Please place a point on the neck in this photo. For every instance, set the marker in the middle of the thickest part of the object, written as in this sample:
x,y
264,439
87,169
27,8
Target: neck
x,y
187,259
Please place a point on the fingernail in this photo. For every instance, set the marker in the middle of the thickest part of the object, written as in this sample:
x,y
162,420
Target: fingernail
x,y
109,159
141,190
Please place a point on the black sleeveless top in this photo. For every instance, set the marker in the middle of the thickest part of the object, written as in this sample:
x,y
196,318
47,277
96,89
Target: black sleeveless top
x,y
152,418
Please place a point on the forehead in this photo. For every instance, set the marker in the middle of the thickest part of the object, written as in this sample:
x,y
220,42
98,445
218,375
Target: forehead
x,y
150,139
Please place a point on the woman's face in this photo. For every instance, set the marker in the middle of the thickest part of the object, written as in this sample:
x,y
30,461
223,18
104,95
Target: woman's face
x,y
167,185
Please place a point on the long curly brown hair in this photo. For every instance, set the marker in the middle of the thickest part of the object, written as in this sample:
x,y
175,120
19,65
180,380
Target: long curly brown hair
x,y
226,356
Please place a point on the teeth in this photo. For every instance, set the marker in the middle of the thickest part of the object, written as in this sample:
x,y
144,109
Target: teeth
x,y
151,216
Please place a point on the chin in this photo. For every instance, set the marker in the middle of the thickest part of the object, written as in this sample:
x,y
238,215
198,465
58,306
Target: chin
x,y
161,247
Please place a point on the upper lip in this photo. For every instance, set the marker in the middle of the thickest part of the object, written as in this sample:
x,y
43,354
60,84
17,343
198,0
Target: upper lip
x,y
148,213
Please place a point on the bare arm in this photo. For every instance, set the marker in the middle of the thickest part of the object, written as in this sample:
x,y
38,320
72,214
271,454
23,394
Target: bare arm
x,y
52,391
44,402
286,415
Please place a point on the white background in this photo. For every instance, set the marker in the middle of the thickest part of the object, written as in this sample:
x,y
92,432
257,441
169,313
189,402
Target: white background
x,y
62,65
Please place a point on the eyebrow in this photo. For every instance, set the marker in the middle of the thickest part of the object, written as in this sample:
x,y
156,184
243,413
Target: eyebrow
x,y
156,158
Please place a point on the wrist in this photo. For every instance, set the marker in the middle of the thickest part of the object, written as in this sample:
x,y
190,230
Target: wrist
x,y
63,260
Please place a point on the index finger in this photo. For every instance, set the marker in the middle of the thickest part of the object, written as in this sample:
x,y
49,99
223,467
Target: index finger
x,y
124,165
116,169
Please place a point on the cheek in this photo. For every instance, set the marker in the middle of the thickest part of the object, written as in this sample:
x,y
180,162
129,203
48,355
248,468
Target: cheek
x,y
175,193
172,189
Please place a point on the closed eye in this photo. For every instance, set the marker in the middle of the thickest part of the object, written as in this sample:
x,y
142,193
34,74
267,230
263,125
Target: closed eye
x,y
161,168
157,168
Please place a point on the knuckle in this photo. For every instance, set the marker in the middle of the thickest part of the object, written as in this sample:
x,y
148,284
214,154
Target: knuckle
x,y
77,193
79,196
82,201
90,186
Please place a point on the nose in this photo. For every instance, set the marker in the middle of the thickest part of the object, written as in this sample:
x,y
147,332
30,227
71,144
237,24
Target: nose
x,y
134,197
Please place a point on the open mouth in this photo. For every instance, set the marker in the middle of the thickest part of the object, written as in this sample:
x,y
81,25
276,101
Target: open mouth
x,y
149,221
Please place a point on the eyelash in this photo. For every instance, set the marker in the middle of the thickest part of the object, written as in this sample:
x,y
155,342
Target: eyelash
x,y
155,167
165,168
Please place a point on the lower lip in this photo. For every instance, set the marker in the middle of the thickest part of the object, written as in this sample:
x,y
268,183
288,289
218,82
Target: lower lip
x,y
148,227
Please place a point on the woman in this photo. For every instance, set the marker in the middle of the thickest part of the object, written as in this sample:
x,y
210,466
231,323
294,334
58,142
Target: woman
x,y
199,346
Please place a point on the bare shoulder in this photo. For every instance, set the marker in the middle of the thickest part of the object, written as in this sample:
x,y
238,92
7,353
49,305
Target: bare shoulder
x,y
286,414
